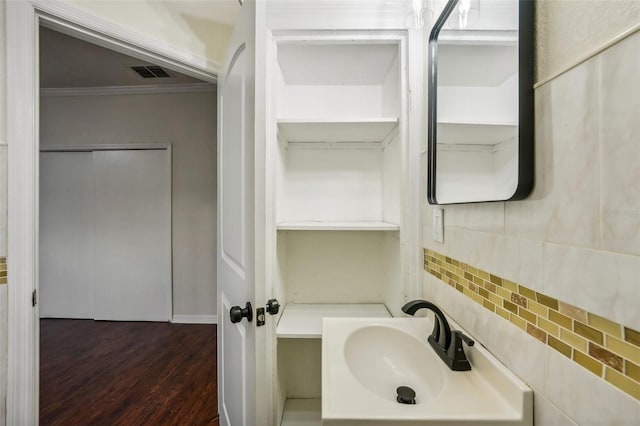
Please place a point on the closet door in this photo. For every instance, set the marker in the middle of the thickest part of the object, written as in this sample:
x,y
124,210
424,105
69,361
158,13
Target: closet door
x,y
66,234
132,274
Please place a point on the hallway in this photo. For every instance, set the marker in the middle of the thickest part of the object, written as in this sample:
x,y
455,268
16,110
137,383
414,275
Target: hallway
x,y
127,373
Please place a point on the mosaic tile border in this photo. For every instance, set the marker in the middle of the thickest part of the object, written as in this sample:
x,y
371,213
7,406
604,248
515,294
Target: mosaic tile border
x,y
3,270
606,348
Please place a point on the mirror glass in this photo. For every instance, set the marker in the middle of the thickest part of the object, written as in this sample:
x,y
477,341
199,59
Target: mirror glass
x,y
480,102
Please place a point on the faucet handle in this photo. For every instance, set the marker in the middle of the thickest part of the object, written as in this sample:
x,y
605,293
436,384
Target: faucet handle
x,y
456,353
464,337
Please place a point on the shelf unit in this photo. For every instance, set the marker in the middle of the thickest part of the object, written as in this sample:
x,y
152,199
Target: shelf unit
x,y
337,133
337,167
302,412
338,226
479,37
487,134
304,321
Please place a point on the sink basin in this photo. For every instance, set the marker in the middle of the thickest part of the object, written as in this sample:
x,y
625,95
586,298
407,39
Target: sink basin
x,y
397,358
364,361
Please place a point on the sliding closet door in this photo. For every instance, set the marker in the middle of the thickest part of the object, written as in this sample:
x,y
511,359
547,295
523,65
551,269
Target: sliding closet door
x,y
66,234
132,273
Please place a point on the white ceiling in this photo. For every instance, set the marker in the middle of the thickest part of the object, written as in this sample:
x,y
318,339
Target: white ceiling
x,y
66,61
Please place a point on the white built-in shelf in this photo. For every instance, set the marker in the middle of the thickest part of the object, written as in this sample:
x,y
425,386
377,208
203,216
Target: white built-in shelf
x,y
336,133
304,321
479,37
476,133
337,226
302,412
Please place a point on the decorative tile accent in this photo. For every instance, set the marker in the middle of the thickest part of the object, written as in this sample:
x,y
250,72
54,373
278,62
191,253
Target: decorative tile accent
x,y
604,347
588,332
632,370
632,336
563,348
572,311
3,270
606,357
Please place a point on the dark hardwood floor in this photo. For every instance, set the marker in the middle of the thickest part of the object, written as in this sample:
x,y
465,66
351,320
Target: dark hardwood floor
x,y
127,373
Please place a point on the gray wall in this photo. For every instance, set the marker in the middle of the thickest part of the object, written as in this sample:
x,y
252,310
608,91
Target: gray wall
x,y
188,122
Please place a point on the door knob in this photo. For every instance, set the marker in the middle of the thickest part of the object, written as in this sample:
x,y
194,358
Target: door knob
x,y
273,306
237,313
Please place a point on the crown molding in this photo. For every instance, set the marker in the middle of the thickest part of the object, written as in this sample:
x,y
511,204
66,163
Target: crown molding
x,y
129,90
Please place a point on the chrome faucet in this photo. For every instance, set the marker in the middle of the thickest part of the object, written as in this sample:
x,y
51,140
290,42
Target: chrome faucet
x,y
446,343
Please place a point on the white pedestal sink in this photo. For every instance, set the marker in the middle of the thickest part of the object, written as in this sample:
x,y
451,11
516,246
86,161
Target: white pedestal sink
x,y
364,361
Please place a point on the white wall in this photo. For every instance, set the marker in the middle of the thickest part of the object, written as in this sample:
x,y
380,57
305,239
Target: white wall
x,y
334,267
188,122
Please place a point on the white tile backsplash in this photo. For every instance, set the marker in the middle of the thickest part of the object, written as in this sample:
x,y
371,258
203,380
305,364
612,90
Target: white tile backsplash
x,y
487,217
521,260
605,283
620,147
3,223
516,259
558,241
585,397
547,414
565,209
3,200
3,351
575,238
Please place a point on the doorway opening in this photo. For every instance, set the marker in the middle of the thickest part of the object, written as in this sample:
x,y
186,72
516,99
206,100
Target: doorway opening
x,y
127,238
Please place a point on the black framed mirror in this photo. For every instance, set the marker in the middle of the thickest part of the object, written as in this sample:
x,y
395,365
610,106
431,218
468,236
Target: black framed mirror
x,y
480,102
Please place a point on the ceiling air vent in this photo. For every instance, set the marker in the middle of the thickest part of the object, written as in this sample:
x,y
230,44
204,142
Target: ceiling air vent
x,y
151,71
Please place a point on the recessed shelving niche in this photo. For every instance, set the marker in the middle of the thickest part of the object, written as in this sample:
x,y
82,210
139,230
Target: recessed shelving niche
x,y
337,169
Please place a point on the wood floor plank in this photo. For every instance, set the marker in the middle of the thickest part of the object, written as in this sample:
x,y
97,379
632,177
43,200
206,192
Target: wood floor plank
x,y
127,373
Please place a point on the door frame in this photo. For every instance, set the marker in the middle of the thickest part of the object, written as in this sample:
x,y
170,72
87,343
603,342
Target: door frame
x,y
23,19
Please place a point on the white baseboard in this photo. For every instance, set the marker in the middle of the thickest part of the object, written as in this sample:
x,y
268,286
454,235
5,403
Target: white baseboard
x,y
195,319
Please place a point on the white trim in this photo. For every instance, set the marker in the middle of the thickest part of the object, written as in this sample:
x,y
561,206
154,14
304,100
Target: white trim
x,y
169,165
22,101
129,90
615,40
414,110
72,21
22,139
194,319
106,147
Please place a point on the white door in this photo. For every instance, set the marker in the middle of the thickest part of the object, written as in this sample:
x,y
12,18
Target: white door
x,y
132,272
66,234
236,231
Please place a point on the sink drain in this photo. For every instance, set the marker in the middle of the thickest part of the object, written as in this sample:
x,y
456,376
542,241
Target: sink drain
x,y
405,395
